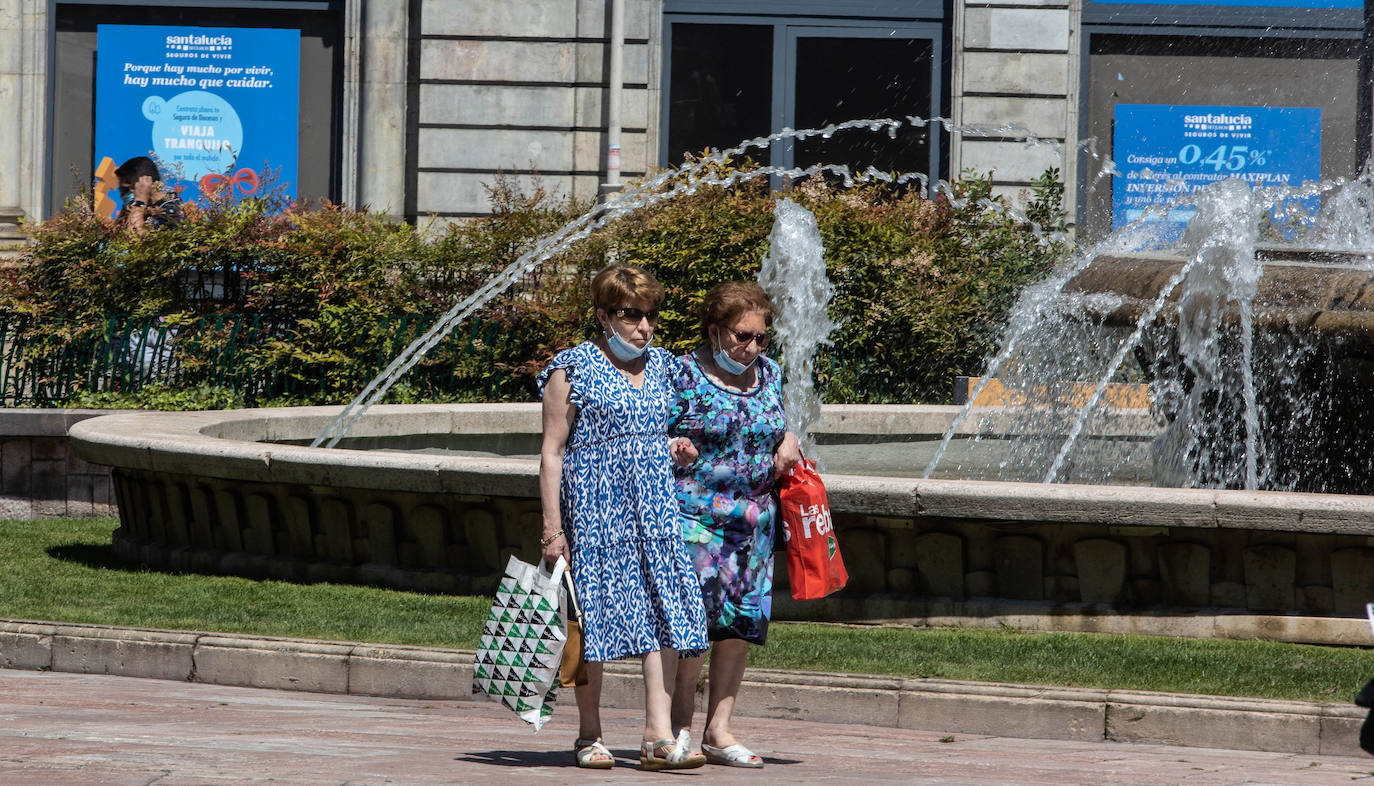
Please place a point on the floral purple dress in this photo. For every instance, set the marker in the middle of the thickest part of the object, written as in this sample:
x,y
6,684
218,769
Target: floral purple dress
x,y
725,499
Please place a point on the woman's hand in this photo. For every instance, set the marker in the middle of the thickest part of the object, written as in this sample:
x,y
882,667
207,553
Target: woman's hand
x,y
786,455
683,450
555,547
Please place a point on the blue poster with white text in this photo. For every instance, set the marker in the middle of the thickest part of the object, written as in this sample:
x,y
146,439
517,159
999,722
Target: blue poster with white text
x,y
1163,152
216,107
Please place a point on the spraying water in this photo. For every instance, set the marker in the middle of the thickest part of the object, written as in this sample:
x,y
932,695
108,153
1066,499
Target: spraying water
x,y
793,276
664,186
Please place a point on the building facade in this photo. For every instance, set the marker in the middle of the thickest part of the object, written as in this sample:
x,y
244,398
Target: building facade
x,y
416,107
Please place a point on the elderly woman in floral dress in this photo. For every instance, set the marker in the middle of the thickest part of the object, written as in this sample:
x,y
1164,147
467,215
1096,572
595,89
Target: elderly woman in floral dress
x,y
729,418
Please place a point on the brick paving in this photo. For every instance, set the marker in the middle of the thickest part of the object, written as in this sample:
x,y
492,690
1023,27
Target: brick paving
x,y
63,728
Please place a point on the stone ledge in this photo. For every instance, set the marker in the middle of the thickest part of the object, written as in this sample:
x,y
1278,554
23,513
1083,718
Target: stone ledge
x,y
949,706
215,444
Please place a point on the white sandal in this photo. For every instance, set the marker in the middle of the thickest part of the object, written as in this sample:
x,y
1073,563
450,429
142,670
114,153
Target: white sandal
x,y
584,749
670,754
731,756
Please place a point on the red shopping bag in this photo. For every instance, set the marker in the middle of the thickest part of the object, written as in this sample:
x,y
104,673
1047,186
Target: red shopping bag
x,y
814,566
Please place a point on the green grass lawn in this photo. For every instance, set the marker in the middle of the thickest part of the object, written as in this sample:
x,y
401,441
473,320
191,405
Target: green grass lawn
x,y
62,570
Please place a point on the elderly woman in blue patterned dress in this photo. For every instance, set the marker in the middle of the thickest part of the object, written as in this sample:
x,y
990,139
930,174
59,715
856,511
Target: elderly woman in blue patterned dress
x,y
729,418
609,507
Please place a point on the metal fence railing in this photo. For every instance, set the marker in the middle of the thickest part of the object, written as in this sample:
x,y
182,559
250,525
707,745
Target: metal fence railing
x,y
41,365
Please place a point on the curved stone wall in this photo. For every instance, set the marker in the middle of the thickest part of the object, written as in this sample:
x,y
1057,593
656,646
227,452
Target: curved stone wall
x,y
202,491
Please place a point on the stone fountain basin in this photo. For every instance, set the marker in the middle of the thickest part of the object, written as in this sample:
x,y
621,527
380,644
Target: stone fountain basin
x,y
212,491
1328,293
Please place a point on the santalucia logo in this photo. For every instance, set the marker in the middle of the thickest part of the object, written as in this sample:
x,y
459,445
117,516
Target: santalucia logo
x,y
200,40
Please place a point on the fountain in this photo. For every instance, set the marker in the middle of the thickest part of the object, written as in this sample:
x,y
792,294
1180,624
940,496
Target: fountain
x,y
259,493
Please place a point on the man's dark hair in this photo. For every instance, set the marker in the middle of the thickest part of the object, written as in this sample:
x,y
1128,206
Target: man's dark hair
x,y
134,169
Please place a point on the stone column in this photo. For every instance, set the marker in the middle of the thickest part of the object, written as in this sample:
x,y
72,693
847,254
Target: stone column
x,y
23,148
374,134
1014,65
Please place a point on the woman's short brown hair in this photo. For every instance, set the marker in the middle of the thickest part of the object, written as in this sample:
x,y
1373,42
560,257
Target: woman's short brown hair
x,y
726,302
618,286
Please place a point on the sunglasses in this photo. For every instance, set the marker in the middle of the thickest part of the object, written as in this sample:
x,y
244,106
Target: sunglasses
x,y
633,315
744,337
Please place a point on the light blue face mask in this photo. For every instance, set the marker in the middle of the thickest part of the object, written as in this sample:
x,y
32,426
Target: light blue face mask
x,y
731,366
623,350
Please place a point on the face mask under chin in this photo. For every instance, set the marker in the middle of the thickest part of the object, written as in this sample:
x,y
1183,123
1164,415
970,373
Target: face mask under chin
x,y
623,350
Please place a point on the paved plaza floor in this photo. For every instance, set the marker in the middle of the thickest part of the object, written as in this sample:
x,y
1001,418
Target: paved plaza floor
x,y
62,728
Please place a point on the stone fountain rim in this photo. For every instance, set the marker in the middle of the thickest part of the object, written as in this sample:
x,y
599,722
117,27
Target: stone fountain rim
x,y
218,444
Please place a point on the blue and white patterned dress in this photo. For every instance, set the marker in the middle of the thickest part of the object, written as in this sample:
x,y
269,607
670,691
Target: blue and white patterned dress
x,y
634,581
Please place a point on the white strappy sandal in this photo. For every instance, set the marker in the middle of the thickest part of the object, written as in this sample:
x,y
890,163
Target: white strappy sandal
x,y
670,754
584,749
731,756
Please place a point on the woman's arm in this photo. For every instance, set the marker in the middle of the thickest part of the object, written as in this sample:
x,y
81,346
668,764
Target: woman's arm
x,y
559,413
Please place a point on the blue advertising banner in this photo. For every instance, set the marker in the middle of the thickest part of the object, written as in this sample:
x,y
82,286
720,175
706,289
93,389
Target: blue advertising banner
x,y
1245,3
1165,151
215,107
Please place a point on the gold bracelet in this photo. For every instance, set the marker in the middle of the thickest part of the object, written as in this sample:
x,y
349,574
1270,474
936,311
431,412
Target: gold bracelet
x,y
551,538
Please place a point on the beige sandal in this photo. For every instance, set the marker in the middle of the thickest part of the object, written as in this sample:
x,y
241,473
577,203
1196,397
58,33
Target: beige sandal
x,y
584,749
670,754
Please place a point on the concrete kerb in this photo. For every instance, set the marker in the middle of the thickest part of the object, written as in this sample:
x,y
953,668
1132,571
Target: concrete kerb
x,y
934,705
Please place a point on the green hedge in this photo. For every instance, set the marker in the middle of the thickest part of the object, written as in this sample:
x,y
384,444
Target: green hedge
x,y
923,286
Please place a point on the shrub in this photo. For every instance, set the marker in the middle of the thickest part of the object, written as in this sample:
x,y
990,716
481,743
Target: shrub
x,y
264,302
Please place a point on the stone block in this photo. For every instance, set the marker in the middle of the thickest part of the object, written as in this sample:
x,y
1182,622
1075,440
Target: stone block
x,y
378,520
201,529
335,538
940,562
593,60
1146,591
228,536
1228,595
820,703
466,193
1270,572
267,663
258,524
48,479
124,652
500,61
984,709
18,508
980,583
529,19
503,105
1101,568
49,449
1315,599
902,548
79,496
1352,579
634,107
1015,72
1062,589
1340,731
1017,29
1020,570
298,539
513,150
904,581
1007,161
1213,722
1185,574
484,548
25,646
15,457
410,674
426,525
864,558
